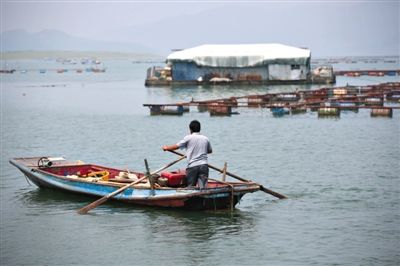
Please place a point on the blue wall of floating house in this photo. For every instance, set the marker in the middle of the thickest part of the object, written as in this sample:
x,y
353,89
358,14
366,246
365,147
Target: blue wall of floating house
x,y
188,71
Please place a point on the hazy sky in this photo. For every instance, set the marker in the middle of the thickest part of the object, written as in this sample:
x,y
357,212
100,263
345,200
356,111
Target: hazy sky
x,y
327,27
88,18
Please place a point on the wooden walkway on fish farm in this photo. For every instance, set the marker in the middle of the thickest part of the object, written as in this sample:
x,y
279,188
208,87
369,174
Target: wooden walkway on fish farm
x,y
374,97
373,73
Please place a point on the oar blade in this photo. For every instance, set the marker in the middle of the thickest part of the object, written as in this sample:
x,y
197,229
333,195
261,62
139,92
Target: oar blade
x,y
273,193
92,205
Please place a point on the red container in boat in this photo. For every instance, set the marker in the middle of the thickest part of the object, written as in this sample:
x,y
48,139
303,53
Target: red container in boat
x,y
175,178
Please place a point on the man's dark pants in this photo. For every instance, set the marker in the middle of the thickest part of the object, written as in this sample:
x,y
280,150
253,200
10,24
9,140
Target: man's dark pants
x,y
197,173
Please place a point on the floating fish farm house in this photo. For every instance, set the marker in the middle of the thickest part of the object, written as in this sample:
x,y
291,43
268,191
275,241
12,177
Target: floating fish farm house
x,y
239,64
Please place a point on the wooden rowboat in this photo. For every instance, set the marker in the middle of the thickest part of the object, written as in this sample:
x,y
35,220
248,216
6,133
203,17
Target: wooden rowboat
x,y
78,177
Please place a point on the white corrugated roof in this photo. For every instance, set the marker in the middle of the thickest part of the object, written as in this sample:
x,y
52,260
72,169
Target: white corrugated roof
x,y
239,55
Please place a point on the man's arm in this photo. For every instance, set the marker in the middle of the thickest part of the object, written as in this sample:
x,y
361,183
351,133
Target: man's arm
x,y
170,147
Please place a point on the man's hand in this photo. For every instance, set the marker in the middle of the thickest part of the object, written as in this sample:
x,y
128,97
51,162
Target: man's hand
x,y
165,148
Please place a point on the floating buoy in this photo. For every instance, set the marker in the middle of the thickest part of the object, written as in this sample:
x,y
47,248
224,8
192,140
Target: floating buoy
x,y
339,92
387,112
328,111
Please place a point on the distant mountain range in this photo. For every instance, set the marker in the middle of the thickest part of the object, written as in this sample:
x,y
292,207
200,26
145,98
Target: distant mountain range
x,y
327,29
54,40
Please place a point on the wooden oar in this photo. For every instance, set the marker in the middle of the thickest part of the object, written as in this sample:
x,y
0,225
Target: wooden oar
x,y
262,188
100,201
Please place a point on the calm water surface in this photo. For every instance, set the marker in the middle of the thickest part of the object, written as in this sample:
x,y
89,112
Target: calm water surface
x,y
341,175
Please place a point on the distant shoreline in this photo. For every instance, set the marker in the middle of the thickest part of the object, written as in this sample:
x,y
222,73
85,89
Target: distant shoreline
x,y
77,55
140,57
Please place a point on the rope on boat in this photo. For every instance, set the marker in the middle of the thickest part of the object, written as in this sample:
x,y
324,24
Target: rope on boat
x,y
27,180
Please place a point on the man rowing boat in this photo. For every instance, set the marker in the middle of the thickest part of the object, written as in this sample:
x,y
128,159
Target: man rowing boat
x,y
197,147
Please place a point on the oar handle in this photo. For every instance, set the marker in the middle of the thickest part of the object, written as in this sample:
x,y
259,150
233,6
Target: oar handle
x,y
170,164
262,188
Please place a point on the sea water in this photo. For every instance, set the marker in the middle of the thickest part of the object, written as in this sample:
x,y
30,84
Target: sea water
x,y
341,176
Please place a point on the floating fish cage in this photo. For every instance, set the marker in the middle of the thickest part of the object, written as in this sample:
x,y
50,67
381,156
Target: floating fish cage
x,y
374,101
385,112
291,97
202,108
314,106
339,92
349,98
256,101
328,111
166,110
393,96
219,110
298,110
316,94
348,106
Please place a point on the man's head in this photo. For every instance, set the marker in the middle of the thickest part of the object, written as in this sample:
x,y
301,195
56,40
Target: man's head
x,y
194,126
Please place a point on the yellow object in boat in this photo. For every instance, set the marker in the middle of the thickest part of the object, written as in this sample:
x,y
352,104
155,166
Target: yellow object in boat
x,y
103,174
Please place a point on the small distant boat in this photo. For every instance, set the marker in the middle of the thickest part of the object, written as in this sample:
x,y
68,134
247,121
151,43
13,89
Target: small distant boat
x,y
42,71
280,111
352,74
7,71
95,180
98,70
376,73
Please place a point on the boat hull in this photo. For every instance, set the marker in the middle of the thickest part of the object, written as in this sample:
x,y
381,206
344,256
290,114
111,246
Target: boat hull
x,y
215,197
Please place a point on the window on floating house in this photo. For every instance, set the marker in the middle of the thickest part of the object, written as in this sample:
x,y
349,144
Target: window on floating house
x,y
295,67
